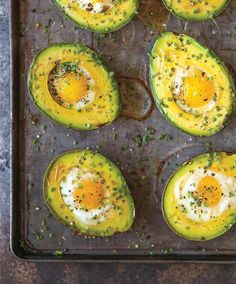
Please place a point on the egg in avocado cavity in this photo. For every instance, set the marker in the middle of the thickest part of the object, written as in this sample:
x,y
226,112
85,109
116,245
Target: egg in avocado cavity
x,y
88,193
199,10
100,16
69,83
199,200
192,87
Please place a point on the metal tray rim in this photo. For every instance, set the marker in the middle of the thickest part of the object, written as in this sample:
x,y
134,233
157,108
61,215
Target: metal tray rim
x,y
15,247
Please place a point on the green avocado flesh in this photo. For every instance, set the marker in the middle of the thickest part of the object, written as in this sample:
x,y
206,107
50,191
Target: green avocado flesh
x,y
70,84
196,10
99,16
191,85
199,200
88,193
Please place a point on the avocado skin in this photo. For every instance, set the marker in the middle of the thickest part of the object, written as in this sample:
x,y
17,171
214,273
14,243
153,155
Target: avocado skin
x,y
192,19
81,48
92,231
215,57
98,29
213,235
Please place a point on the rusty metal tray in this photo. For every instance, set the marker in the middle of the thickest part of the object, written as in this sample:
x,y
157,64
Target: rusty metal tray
x,y
146,149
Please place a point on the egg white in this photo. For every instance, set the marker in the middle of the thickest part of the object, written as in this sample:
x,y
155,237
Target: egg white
x,y
88,99
67,187
97,7
177,84
188,184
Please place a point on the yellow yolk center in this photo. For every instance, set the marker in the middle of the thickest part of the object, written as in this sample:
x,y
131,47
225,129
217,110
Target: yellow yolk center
x,y
209,191
89,195
197,89
71,88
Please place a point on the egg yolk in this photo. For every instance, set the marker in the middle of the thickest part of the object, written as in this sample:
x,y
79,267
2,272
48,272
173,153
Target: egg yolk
x,y
209,191
197,89
89,195
71,88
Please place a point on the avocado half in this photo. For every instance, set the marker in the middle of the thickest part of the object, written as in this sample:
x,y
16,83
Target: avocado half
x,y
199,200
88,193
99,16
192,87
196,10
70,84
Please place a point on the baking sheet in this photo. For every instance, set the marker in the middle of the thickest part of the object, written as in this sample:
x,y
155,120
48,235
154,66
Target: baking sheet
x,y
146,150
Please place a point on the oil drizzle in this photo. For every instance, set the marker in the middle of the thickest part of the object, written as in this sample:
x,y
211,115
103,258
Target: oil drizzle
x,y
137,100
